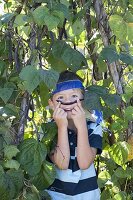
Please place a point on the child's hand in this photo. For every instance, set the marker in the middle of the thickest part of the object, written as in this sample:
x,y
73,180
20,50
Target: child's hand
x,y
60,116
78,115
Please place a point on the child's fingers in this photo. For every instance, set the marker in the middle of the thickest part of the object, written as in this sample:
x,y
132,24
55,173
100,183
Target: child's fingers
x,y
80,105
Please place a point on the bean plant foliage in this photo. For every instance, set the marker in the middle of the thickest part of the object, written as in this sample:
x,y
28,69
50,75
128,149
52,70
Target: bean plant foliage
x,y
38,40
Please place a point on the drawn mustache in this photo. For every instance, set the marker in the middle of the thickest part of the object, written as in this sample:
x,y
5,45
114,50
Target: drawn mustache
x,y
68,103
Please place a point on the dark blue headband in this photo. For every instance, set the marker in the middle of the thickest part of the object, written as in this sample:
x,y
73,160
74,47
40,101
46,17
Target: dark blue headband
x,y
66,85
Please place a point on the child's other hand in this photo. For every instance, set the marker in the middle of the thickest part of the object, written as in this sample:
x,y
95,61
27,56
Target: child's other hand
x,y
78,115
60,116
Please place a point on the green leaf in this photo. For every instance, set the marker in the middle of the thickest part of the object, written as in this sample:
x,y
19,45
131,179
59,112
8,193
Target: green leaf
x,y
109,53
50,131
119,27
12,164
31,77
92,101
1,170
39,14
121,173
126,58
7,188
10,110
20,20
120,196
10,151
128,113
99,90
57,63
112,100
71,57
49,77
103,177
4,194
102,66
60,15
6,17
45,177
63,8
77,27
51,21
5,94
31,156
17,179
44,94
119,152
2,67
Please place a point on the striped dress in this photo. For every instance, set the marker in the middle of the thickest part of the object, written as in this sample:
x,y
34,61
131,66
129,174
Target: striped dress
x,y
74,183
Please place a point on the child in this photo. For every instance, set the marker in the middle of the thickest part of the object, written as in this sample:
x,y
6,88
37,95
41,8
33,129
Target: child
x,y
78,142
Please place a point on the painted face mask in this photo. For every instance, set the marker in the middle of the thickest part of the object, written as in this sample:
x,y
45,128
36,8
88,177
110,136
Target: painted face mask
x,y
66,85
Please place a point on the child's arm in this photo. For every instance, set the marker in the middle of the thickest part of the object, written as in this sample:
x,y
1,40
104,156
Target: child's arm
x,y
61,155
85,153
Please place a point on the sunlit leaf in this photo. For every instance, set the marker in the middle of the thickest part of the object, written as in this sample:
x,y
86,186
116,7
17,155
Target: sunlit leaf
x,y
120,196
10,151
119,153
39,14
77,27
118,26
20,20
128,113
103,177
12,164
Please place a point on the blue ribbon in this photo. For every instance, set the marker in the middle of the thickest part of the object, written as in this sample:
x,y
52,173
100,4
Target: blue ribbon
x,y
66,85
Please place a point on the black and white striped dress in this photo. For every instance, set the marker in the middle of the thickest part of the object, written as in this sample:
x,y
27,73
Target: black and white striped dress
x,y
74,183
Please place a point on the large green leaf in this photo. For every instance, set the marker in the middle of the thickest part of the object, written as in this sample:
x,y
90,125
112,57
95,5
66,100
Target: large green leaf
x,y
45,177
49,77
92,101
50,132
4,194
63,7
39,14
126,58
119,152
31,77
5,93
31,156
99,90
109,53
44,94
128,113
12,164
71,57
121,196
6,17
10,110
78,27
112,100
119,27
51,21
10,151
20,20
17,179
103,177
